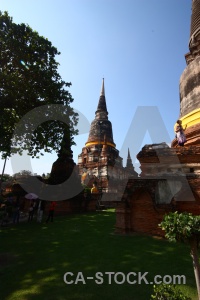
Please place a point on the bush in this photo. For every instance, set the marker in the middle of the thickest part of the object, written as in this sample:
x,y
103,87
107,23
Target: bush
x,y
166,292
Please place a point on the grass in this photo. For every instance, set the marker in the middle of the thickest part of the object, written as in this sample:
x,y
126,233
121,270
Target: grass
x,y
35,257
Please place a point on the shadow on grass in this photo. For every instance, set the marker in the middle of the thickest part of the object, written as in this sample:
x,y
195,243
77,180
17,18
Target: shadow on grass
x,y
85,243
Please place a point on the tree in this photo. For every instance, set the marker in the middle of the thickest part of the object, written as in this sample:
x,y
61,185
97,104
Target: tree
x,y
29,79
6,177
46,176
184,227
23,173
166,292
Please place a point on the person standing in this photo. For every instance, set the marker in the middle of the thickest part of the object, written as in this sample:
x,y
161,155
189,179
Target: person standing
x,y
31,212
51,211
94,189
16,212
40,211
180,136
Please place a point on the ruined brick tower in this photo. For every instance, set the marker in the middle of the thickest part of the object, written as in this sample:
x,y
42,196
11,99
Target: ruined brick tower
x,y
170,177
190,82
100,160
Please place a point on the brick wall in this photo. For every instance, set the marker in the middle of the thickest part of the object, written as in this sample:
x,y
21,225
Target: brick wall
x,y
139,213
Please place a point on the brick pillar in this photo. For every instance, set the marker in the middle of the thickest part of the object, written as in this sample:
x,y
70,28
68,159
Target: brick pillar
x,y
123,219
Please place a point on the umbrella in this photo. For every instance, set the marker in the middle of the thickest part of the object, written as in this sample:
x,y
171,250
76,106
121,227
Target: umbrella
x,y
31,196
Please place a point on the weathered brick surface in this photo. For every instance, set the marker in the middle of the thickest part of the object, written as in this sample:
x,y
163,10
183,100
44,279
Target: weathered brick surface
x,y
142,207
190,87
143,216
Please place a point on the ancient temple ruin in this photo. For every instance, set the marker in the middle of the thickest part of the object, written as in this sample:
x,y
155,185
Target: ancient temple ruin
x,y
99,160
170,176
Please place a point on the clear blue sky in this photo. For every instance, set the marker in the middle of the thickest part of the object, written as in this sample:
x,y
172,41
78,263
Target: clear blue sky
x,y
138,46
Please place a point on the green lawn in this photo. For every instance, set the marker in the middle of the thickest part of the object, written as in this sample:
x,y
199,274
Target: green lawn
x,y
34,258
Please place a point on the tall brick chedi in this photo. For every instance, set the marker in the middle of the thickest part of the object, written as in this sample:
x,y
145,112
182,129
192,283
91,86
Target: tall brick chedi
x,y
170,177
100,160
190,82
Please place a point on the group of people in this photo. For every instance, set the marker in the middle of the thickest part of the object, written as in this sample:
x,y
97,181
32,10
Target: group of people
x,y
40,210
11,211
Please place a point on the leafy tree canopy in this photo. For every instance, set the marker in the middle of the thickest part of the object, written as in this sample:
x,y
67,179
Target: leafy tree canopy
x,y
29,79
184,227
166,292
6,177
181,226
23,173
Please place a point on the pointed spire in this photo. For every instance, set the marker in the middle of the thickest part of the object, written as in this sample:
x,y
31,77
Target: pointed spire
x,y
128,154
129,166
101,127
194,41
195,20
102,102
102,89
129,160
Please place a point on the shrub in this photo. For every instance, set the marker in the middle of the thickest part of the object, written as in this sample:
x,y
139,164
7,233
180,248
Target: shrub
x,y
166,292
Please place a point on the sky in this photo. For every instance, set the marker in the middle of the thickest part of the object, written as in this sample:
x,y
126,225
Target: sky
x,y
137,46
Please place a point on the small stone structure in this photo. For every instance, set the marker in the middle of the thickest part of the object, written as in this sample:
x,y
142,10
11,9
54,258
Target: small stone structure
x,y
169,182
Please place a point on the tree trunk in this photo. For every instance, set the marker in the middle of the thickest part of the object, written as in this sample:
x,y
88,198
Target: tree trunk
x,y
1,180
196,266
